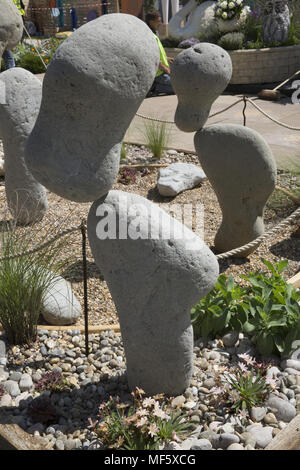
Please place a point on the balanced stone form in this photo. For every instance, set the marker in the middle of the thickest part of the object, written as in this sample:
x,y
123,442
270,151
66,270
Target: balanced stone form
x,y
155,275
199,75
11,25
26,198
237,161
92,89
241,168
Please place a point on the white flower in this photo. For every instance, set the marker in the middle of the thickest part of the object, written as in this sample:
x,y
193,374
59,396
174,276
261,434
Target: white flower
x,y
224,15
141,422
161,414
224,5
153,430
239,2
230,5
148,402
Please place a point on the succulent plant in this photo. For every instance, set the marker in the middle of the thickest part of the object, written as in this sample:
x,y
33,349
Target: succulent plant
x,y
127,175
53,381
41,410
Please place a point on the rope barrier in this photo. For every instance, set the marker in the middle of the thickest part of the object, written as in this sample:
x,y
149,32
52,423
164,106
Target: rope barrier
x,y
244,99
255,243
44,245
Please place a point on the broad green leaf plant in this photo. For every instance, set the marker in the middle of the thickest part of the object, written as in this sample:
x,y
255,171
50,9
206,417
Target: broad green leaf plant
x,y
267,309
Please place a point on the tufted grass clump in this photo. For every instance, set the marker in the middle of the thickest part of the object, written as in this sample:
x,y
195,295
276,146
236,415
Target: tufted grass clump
x,y
156,135
25,279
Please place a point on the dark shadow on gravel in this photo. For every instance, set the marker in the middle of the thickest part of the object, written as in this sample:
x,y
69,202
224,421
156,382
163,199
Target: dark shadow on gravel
x,y
74,272
288,249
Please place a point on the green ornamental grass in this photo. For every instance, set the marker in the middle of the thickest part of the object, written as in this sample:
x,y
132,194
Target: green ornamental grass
x,y
24,281
156,135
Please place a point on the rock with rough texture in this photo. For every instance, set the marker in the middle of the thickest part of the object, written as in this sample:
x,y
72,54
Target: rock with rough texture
x,y
199,75
230,339
25,383
224,440
257,413
60,306
178,177
201,444
156,270
11,387
241,168
92,89
282,409
11,26
2,166
26,198
262,434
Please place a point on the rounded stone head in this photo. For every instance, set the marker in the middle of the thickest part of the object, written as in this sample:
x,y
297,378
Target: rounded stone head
x,y
11,25
92,89
199,75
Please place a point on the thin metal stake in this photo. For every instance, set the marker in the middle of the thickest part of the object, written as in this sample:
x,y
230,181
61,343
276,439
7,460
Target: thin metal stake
x,y
85,294
244,109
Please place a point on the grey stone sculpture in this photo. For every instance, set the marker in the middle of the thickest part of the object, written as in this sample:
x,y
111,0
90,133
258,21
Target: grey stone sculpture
x,y
276,21
155,275
199,75
240,166
26,198
178,177
237,161
11,25
92,89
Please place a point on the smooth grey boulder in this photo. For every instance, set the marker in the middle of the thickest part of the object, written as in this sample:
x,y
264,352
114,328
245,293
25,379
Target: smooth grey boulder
x,y
283,410
92,89
26,198
199,75
156,270
242,171
11,25
178,177
60,306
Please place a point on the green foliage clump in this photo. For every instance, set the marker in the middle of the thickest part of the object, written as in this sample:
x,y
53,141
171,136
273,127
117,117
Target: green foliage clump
x,y
156,135
232,41
143,424
25,278
267,309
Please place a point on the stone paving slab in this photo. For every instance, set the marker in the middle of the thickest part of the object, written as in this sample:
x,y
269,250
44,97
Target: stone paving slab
x,y
285,143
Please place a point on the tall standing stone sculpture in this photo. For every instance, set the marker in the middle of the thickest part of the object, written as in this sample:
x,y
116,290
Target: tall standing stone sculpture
x,y
92,89
237,161
156,270
26,198
11,26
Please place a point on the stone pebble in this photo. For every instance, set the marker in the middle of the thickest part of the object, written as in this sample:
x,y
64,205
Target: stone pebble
x,y
215,429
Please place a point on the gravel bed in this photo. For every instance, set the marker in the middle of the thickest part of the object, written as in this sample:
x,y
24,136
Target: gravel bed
x,y
103,374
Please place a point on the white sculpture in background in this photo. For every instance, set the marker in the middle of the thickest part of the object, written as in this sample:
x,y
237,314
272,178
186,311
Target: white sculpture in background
x,y
201,19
